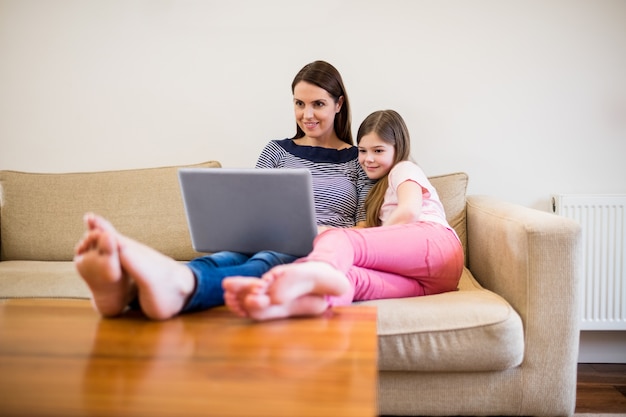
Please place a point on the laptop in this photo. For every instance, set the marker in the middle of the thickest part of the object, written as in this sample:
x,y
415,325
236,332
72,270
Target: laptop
x,y
249,210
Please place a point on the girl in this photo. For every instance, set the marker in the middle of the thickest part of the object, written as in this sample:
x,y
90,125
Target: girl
x,y
407,249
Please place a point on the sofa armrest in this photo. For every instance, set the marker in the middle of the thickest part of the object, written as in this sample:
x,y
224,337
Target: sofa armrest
x,y
533,260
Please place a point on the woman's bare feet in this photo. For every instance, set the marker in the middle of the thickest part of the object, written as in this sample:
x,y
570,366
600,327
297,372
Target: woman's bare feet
x,y
162,284
94,222
97,261
285,291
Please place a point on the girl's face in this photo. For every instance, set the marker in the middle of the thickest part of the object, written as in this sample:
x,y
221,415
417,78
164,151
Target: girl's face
x,y
375,156
315,110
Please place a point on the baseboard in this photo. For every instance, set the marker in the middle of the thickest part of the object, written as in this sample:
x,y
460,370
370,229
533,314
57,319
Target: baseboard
x,y
602,347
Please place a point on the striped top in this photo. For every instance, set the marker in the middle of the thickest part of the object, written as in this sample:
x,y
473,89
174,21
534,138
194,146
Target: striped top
x,y
339,184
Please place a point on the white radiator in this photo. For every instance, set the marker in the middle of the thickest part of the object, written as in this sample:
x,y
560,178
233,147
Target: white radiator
x,y
603,286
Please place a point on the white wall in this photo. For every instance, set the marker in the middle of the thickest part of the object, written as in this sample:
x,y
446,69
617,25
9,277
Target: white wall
x,y
526,96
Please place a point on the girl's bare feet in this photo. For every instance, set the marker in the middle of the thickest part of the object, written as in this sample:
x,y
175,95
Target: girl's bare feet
x,y
289,282
285,291
97,261
242,294
247,297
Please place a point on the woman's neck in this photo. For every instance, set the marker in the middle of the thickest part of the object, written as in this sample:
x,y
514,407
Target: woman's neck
x,y
330,142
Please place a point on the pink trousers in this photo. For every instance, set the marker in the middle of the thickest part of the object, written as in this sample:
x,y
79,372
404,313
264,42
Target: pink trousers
x,y
392,261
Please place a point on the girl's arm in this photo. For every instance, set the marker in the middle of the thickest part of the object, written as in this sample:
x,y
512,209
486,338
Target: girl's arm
x,y
409,204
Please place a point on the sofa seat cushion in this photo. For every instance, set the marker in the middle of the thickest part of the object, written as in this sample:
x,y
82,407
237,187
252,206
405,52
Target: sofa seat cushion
x,y
37,279
471,329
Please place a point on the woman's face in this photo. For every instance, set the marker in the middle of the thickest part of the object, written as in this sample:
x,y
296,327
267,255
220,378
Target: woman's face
x,y
315,110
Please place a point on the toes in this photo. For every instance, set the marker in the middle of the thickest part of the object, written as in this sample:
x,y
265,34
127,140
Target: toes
x,y
94,222
232,302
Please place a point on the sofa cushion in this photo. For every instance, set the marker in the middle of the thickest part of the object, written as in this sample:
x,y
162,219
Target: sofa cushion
x,y
451,189
41,214
471,329
41,279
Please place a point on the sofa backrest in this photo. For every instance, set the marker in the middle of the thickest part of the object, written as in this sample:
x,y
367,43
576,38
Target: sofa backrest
x,y
452,189
41,214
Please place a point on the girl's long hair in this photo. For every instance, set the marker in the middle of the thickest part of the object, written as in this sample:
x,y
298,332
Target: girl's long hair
x,y
390,127
324,75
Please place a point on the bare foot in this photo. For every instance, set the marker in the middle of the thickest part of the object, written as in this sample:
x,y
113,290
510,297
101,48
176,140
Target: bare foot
x,y
164,285
244,293
94,222
289,282
97,261
247,297
303,306
285,291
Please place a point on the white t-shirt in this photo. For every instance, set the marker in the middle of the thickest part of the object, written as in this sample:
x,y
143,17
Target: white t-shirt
x,y
432,209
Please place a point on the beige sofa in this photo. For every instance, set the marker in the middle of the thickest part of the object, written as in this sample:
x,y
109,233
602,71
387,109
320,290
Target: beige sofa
x,y
505,343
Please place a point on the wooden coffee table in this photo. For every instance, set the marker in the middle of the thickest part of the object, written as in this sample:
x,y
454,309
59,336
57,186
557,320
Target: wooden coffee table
x,y
59,358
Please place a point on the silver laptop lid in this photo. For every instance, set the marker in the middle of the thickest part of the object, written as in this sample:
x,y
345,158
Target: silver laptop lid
x,y
249,210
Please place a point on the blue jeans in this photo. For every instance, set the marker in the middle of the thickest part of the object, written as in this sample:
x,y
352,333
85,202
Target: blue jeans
x,y
211,270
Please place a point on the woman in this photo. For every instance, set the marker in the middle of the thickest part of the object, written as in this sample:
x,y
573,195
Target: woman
x,y
120,271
